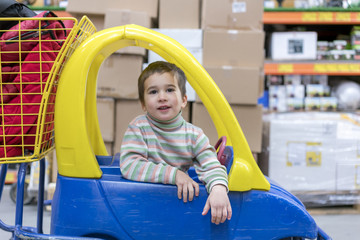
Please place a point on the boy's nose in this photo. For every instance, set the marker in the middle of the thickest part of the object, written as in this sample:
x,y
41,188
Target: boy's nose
x,y
162,95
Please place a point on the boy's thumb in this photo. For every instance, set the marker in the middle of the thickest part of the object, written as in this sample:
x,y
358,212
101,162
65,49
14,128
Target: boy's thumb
x,y
206,208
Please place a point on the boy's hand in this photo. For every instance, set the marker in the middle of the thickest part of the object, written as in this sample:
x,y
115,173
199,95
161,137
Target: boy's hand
x,y
219,203
185,186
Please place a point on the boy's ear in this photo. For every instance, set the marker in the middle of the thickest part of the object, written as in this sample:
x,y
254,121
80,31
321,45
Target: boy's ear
x,y
183,105
143,106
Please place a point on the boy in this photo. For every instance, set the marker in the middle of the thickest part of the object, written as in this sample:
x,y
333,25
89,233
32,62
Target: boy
x,y
160,146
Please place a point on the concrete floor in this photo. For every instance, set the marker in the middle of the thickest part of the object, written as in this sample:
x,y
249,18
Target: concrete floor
x,y
338,226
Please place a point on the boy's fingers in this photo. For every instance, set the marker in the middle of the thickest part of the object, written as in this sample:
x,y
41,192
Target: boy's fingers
x,y
179,192
196,186
217,216
229,210
206,208
191,192
185,193
224,215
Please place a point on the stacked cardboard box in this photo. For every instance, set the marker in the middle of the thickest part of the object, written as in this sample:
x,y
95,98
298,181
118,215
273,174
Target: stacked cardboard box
x,y
233,55
226,37
117,102
324,159
180,20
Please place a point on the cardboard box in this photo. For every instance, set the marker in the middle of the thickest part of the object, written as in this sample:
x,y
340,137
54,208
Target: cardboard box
x,y
233,48
196,52
239,85
293,45
249,118
117,17
232,14
97,19
126,111
106,117
99,7
179,14
118,76
109,148
314,151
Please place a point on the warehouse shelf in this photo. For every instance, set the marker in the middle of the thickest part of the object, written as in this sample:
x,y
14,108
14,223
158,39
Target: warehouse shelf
x,y
59,11
317,16
338,68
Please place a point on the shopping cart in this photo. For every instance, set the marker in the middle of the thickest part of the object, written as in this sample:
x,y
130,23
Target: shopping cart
x,y
32,55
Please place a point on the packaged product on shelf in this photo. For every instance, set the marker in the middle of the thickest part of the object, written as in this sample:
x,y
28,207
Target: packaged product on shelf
x,y
312,103
340,44
277,104
306,79
274,80
295,91
277,91
342,54
294,104
356,49
314,90
292,79
293,45
328,103
322,45
322,55
349,54
337,55
320,79
355,35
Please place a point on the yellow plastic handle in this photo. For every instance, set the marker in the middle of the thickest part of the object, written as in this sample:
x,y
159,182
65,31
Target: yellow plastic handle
x,y
77,135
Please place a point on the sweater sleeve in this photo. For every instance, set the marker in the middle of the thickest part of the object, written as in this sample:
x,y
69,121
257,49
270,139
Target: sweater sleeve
x,y
207,166
134,162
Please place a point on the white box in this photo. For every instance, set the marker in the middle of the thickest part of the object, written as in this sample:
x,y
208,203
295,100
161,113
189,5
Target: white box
x,y
348,176
293,45
312,151
196,52
277,104
295,91
277,91
189,38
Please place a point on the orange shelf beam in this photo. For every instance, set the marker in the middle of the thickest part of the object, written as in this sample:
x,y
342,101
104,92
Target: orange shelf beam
x,y
311,18
339,69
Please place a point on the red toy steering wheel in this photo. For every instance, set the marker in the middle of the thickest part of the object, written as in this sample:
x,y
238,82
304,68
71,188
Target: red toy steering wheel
x,y
221,143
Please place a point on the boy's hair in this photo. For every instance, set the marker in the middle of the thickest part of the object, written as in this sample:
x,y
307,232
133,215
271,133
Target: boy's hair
x,y
161,67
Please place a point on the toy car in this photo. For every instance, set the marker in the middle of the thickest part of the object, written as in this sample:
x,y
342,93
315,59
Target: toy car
x,y
92,199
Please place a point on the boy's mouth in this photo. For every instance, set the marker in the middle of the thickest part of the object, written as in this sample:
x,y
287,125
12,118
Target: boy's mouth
x,y
163,107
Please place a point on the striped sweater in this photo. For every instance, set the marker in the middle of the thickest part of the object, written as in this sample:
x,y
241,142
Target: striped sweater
x,y
152,151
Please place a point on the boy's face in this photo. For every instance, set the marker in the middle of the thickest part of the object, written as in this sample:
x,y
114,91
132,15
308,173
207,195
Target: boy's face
x,y
162,96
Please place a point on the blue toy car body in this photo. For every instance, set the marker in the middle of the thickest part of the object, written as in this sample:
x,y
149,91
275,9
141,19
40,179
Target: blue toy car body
x,y
116,208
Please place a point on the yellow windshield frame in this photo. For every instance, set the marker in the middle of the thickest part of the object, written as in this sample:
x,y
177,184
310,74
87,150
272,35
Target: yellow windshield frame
x,y
77,132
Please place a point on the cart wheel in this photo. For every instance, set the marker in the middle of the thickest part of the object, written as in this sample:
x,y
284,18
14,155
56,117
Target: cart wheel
x,y
27,198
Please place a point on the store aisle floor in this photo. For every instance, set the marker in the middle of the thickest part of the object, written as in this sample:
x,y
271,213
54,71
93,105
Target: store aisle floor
x,y
338,226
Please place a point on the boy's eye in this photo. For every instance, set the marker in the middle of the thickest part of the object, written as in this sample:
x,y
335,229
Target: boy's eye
x,y
171,89
152,92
